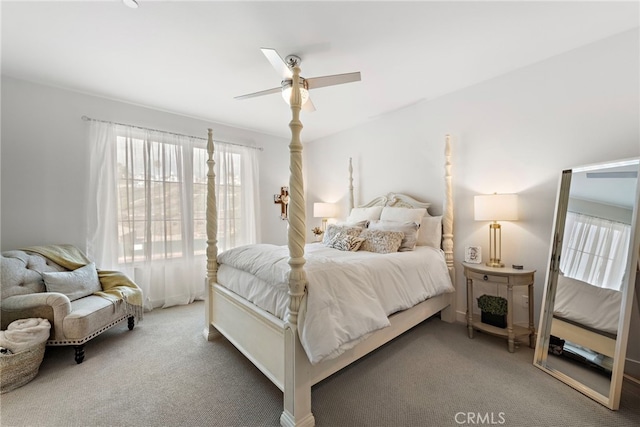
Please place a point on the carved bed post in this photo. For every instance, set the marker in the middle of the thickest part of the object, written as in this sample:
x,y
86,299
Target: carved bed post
x,y
351,203
447,226
297,376
212,234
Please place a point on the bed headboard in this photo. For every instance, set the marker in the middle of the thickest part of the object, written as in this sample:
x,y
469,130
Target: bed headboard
x,y
397,200
404,201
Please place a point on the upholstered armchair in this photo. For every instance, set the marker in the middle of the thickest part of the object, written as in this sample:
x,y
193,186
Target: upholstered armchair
x,y
79,301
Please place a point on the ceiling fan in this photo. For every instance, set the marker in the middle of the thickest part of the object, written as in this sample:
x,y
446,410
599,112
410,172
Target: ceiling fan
x,y
285,66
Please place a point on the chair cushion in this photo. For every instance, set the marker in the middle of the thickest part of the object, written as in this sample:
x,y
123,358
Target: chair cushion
x,y
89,315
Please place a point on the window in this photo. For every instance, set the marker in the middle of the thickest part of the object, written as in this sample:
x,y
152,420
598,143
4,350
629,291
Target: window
x,y
235,197
147,207
594,250
150,211
153,221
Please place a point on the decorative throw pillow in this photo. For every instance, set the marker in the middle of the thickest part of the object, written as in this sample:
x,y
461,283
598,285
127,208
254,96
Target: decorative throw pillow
x,y
332,230
363,224
362,214
409,229
75,284
382,242
430,233
345,242
403,214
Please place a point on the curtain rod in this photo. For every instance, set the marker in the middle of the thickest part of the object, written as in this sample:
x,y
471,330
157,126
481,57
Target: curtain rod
x,y
598,217
89,119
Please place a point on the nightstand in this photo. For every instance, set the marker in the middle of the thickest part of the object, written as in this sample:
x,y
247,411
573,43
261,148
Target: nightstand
x,y
508,277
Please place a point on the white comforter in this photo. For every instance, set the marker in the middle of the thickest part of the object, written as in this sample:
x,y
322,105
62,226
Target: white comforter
x,y
592,306
350,294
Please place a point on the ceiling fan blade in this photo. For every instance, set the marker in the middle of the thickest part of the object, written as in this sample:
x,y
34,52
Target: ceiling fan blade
x,y
277,62
336,79
308,106
262,92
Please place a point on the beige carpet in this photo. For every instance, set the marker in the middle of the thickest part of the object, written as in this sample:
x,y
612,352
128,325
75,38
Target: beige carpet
x,y
163,373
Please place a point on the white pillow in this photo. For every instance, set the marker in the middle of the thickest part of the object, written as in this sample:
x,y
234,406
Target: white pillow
x,y
75,284
430,233
403,214
408,228
364,214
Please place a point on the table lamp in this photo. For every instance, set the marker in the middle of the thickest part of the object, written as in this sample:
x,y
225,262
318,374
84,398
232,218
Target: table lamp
x,y
324,211
495,207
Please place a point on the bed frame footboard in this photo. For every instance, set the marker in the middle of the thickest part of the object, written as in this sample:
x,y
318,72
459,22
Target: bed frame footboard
x,y
262,337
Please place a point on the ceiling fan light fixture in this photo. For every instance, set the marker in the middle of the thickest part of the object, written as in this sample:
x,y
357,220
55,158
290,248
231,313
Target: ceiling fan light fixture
x,y
133,4
286,91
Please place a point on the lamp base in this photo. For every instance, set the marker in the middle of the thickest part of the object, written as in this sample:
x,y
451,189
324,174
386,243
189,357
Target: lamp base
x,y
495,245
494,263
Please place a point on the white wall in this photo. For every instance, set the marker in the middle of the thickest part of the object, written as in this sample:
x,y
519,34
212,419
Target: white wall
x,y
44,161
512,134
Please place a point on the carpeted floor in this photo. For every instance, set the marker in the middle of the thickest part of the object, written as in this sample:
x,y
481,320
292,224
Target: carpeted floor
x,y
164,373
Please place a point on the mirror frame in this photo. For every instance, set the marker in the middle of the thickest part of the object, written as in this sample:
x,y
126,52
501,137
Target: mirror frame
x,y
612,401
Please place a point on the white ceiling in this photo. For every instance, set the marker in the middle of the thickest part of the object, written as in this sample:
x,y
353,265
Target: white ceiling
x,y
192,58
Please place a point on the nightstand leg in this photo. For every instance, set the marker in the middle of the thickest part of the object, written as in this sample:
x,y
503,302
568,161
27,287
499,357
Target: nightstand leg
x,y
510,318
470,307
532,329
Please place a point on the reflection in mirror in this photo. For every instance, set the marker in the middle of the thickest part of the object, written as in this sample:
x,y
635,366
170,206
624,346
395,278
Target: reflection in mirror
x,y
587,301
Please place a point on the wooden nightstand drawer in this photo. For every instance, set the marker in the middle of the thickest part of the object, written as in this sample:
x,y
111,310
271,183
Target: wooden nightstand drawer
x,y
487,277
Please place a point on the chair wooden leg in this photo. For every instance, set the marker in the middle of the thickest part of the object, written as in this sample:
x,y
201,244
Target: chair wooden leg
x,y
130,322
79,353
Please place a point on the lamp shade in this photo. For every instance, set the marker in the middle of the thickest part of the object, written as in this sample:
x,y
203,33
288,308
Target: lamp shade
x,y
324,210
496,207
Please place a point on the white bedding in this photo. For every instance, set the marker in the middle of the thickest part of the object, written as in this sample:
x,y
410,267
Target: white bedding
x,y
350,294
591,306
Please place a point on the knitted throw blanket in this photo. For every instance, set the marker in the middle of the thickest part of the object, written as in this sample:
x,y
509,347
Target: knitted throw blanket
x,y
116,286
23,334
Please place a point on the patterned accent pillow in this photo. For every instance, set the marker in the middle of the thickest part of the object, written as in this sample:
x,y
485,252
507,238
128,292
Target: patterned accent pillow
x,y
409,228
332,230
344,242
380,241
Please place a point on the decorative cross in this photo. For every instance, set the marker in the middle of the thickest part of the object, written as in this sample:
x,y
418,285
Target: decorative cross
x,y
283,200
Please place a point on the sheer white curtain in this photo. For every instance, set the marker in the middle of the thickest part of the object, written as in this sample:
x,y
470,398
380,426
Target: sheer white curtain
x,y
147,204
595,250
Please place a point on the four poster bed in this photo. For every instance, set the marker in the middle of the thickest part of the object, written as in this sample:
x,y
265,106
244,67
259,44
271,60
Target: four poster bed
x,y
294,344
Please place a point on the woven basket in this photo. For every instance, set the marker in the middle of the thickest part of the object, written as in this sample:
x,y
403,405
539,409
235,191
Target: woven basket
x,y
18,369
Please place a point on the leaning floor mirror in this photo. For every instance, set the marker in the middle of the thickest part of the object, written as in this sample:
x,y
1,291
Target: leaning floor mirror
x,y
586,307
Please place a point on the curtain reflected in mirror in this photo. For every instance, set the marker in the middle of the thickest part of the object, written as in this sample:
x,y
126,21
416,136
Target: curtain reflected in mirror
x,y
584,322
